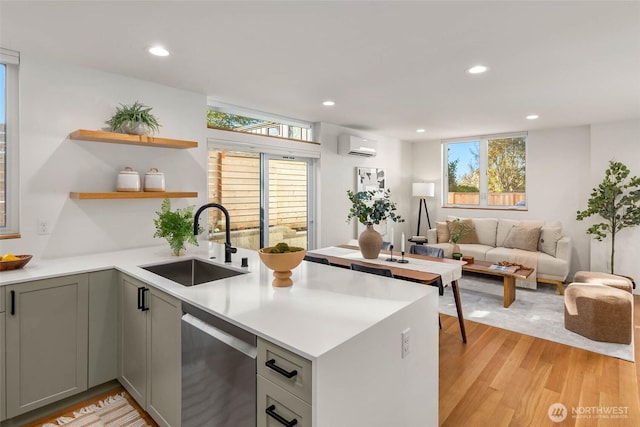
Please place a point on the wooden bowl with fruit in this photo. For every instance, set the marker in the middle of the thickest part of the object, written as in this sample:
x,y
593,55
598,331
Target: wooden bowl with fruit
x,y
13,262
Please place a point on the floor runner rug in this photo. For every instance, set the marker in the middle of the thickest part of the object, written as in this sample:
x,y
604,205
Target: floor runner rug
x,y
538,313
113,410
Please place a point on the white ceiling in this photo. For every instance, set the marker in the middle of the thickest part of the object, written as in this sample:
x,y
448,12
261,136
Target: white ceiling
x,y
392,67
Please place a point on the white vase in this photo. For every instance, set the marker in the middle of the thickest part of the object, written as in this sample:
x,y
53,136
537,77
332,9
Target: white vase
x,y
134,128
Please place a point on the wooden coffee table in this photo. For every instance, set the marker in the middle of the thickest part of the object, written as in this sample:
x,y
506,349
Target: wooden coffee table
x,y
509,279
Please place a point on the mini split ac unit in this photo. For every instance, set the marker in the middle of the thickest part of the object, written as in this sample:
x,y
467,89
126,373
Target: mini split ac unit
x,y
356,146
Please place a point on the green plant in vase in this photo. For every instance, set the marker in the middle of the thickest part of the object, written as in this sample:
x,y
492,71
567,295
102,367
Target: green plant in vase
x,y
371,207
617,201
176,226
135,119
457,231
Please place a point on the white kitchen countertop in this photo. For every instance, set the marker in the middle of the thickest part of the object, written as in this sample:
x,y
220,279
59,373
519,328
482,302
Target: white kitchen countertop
x,y
325,307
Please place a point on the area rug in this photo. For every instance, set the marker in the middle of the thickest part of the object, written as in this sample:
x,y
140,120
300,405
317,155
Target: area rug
x,y
111,411
538,313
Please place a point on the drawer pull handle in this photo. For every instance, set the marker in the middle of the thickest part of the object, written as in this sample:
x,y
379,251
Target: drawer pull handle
x,y
13,303
272,413
140,289
145,305
272,365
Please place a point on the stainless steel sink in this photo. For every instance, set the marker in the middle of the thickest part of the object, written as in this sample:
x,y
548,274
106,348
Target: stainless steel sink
x,y
192,272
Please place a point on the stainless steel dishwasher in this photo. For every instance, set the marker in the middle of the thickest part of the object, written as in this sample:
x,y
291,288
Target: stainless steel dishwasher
x,y
218,372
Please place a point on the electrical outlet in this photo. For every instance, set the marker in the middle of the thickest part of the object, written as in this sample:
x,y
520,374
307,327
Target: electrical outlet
x,y
43,227
406,342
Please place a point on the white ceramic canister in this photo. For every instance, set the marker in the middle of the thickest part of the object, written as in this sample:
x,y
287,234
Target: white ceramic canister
x,y
128,180
154,180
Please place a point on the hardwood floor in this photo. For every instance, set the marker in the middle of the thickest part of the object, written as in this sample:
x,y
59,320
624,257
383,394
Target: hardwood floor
x,y
502,378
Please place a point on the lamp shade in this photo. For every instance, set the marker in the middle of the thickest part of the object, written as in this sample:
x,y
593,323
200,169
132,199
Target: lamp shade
x,y
423,189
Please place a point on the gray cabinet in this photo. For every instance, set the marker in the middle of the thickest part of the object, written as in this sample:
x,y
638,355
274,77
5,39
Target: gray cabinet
x,y
283,387
103,327
46,341
3,411
149,361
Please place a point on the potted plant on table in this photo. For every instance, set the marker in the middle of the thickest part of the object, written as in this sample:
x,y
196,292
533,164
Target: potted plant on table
x,y
176,226
617,200
457,231
135,119
369,208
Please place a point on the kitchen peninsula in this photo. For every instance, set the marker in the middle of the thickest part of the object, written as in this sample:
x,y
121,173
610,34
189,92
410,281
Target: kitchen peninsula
x,y
349,325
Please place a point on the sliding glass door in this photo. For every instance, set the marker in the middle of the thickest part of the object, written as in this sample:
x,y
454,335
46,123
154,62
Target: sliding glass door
x,y
269,198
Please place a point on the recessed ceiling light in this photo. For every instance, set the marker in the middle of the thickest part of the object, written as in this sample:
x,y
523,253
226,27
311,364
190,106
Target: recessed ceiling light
x,y
477,69
158,51
532,116
329,103
420,130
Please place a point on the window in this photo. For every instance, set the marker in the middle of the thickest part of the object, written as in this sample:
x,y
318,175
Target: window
x,y
9,133
485,172
238,119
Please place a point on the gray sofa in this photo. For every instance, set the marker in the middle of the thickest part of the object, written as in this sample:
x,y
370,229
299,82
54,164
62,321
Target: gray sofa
x,y
553,249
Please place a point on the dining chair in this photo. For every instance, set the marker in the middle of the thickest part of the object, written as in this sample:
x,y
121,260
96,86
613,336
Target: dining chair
x,y
373,270
316,259
429,251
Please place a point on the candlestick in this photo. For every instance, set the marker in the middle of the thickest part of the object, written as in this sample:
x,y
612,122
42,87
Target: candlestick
x,y
402,243
403,261
392,259
391,237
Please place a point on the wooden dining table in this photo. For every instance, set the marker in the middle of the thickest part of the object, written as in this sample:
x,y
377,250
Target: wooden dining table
x,y
401,271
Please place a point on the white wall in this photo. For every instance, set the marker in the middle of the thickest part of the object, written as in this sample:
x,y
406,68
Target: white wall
x,y
618,141
338,174
56,99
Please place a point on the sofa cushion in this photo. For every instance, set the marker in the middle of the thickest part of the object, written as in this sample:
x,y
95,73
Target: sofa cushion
x,y
477,251
442,232
486,230
504,226
549,237
470,237
525,238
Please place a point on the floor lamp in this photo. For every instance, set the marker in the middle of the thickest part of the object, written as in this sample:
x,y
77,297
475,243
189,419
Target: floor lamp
x,y
422,190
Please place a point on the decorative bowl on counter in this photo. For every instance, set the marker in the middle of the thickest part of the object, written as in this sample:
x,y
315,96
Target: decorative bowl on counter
x,y
14,264
282,261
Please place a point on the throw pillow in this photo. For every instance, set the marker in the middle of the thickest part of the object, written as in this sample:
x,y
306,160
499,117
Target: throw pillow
x,y
525,238
470,237
442,231
549,237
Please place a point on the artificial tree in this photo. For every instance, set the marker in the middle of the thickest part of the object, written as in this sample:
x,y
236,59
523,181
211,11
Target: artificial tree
x,y
617,200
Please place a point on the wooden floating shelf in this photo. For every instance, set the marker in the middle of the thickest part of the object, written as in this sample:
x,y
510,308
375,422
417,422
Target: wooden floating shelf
x,y
121,138
132,195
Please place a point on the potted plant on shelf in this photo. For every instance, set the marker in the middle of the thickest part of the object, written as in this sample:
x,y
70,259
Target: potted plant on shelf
x,y
617,200
369,208
135,119
176,226
282,258
457,231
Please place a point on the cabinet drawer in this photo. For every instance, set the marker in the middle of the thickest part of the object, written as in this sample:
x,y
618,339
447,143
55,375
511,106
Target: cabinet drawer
x,y
274,363
274,402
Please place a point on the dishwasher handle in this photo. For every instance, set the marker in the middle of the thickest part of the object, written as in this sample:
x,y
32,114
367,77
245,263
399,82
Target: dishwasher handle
x,y
233,342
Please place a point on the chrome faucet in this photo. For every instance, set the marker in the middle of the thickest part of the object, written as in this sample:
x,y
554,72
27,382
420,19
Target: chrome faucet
x,y
228,249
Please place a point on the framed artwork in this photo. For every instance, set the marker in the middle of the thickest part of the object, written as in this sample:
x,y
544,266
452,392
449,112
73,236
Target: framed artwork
x,y
371,179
